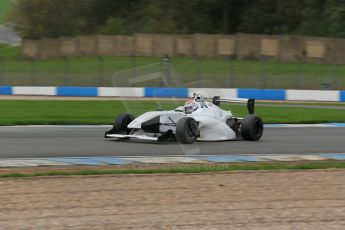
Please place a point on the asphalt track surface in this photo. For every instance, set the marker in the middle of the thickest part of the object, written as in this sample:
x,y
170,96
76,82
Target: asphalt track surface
x,y
73,141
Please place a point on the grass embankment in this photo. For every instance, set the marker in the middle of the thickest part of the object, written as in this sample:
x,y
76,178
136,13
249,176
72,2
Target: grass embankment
x,y
87,71
47,112
190,168
4,7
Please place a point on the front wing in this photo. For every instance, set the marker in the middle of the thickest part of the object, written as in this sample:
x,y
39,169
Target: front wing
x,y
128,136
166,136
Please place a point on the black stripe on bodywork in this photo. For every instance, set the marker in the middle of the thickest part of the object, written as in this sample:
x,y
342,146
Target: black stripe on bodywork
x,y
151,126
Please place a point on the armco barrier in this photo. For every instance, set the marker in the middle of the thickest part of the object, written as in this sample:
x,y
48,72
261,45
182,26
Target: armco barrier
x,y
166,92
313,95
121,92
22,90
210,92
260,94
6,90
263,94
342,95
77,91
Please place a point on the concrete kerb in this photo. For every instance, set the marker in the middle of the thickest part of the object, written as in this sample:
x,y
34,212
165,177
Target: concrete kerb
x,y
166,160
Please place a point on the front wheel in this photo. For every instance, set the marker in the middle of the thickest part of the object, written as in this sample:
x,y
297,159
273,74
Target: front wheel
x,y
120,124
252,128
186,130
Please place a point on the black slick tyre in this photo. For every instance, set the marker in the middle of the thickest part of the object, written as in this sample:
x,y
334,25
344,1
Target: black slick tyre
x,y
121,122
186,130
252,128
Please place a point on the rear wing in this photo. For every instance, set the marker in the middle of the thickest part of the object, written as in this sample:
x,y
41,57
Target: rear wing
x,y
250,102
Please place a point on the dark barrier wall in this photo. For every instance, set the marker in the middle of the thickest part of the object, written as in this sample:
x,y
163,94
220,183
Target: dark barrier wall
x,y
241,46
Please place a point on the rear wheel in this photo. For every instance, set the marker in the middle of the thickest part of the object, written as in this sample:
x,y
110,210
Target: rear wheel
x,y
252,128
186,130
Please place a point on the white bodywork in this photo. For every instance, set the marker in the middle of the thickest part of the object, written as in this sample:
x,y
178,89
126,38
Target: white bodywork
x,y
212,123
211,119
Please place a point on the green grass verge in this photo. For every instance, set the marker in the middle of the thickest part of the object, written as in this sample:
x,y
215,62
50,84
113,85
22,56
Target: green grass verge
x,y
9,52
4,8
85,71
191,169
48,112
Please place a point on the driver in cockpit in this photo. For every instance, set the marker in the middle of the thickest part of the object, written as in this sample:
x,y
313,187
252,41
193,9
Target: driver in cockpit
x,y
193,104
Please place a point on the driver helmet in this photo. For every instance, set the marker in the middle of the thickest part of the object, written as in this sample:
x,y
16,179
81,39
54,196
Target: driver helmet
x,y
198,98
190,106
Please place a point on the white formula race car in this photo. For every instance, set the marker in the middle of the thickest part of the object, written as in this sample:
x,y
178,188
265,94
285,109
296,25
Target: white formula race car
x,y
196,120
